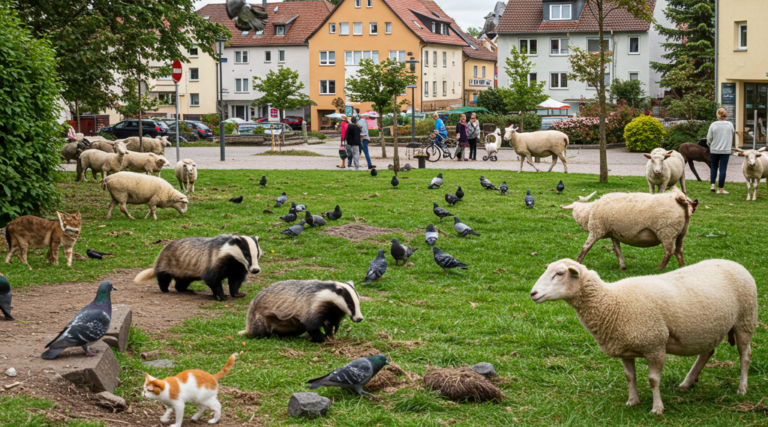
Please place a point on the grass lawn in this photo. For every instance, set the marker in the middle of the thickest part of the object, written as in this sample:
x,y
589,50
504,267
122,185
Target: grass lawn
x,y
554,372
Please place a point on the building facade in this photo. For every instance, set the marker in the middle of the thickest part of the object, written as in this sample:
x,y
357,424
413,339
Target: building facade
x,y
479,70
197,96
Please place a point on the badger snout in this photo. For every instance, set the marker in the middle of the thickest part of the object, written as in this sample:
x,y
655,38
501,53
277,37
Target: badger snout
x,y
255,270
357,319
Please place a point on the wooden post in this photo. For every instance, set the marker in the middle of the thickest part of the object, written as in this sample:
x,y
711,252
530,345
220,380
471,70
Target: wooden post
x,y
394,133
304,131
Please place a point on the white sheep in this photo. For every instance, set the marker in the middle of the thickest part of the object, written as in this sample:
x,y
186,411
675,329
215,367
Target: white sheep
x,y
664,169
70,151
755,168
100,161
105,145
636,219
685,312
186,173
493,147
538,144
138,189
147,144
149,163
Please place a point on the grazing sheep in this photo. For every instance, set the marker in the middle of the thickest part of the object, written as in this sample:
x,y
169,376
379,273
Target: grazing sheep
x,y
186,173
147,144
686,312
70,151
755,168
636,219
538,144
694,152
137,189
99,161
105,145
148,163
664,169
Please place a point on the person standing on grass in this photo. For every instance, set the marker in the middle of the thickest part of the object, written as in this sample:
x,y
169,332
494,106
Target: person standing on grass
x,y
364,140
461,136
353,142
473,132
343,127
720,140
442,132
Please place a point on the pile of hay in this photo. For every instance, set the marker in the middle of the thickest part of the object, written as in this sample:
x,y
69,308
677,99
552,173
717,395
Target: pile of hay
x,y
462,384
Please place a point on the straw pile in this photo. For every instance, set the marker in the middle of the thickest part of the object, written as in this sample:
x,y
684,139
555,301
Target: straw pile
x,y
462,384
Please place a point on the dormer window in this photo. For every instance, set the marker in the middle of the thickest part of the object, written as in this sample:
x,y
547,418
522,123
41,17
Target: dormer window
x,y
559,12
279,30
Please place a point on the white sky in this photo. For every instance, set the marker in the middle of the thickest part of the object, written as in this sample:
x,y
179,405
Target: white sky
x,y
467,13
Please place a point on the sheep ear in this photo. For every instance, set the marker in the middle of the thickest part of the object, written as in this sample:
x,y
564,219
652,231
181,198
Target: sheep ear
x,y
647,156
758,155
740,153
574,272
762,149
571,206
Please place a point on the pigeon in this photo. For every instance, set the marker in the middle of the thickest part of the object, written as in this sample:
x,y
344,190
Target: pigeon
x,y
246,16
294,230
290,217
459,193
314,220
268,211
5,297
431,235
334,214
503,188
451,199
560,186
301,207
88,325
395,181
446,261
96,254
487,184
400,252
374,172
463,229
436,182
377,268
280,200
263,181
528,199
237,200
354,375
440,212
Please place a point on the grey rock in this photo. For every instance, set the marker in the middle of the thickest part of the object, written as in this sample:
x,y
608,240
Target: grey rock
x,y
308,404
117,334
485,369
109,400
11,372
159,363
98,373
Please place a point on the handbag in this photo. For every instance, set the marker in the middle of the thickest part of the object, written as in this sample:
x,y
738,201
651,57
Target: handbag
x,y
342,152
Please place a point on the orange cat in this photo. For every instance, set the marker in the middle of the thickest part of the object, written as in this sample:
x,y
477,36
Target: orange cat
x,y
28,230
196,386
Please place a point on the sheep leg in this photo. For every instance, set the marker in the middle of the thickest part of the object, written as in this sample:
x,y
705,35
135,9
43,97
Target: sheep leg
x,y
112,205
668,250
655,366
650,187
522,160
631,374
565,164
745,353
152,210
124,210
529,158
693,376
554,161
679,249
749,189
617,250
587,246
754,195
693,169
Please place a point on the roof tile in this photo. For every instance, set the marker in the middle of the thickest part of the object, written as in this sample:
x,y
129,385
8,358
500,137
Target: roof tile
x,y
526,16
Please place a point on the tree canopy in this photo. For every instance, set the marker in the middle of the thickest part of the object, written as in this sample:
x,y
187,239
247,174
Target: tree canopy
x,y
523,95
282,89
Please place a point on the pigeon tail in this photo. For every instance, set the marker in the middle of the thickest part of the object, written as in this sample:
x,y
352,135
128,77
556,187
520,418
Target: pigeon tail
x,y
52,353
315,386
473,232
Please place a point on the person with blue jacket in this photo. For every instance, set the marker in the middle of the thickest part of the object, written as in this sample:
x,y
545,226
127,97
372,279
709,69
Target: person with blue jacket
x,y
442,132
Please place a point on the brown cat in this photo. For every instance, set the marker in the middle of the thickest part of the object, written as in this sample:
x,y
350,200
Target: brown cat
x,y
37,232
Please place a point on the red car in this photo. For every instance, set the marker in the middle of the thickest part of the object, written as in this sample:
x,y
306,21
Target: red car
x,y
293,121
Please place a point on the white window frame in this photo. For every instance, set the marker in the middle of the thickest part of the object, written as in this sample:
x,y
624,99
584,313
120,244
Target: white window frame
x,y
434,58
357,4
191,97
738,37
355,27
398,55
280,52
426,89
196,50
342,26
629,75
445,59
371,30
607,81
483,71
349,56
327,86
244,57
369,4
528,48
198,75
433,26
560,41
268,53
434,88
445,88
559,80
328,61
426,58
560,8
277,32
331,28
244,88
475,71
387,28
597,39
629,45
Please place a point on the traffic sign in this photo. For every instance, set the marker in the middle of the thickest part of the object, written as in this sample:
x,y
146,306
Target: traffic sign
x,y
274,114
176,74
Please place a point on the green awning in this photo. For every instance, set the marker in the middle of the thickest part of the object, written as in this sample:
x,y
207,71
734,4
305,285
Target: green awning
x,y
464,110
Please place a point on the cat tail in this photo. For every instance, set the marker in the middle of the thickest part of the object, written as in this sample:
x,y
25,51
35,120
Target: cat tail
x,y
225,370
144,276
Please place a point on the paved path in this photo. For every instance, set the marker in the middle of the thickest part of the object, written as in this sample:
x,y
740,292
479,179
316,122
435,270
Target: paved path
x,y
620,161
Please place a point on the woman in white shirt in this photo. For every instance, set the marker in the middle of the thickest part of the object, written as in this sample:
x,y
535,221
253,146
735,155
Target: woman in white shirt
x,y
720,141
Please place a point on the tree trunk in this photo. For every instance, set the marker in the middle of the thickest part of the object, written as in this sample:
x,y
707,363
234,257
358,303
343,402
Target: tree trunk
x,y
396,157
601,95
77,111
381,135
141,127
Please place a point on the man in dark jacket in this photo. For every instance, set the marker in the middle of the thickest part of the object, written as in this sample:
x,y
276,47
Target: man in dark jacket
x,y
352,138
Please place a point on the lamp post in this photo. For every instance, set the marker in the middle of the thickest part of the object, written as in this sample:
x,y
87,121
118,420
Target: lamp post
x,y
412,64
220,43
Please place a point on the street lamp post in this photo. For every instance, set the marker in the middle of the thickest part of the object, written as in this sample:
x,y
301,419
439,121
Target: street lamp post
x,y
220,43
412,63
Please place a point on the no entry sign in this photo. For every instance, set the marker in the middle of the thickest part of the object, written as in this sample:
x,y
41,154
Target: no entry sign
x,y
176,74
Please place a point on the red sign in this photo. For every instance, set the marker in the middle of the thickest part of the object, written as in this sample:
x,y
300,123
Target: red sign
x,y
176,74
274,114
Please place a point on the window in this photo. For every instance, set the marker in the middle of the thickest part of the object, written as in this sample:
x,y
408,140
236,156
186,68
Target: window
x,y
742,36
593,45
194,99
280,56
373,28
398,55
634,45
445,59
558,80
607,81
327,87
239,111
241,57
166,77
475,73
193,52
258,32
483,71
634,76
434,58
434,88
388,27
445,88
532,78
529,46
369,3
426,58
194,74
167,98
267,56
357,29
433,27
279,30
558,47
327,57
354,57
357,3
245,33
344,28
332,28
559,12
426,89
241,85
441,29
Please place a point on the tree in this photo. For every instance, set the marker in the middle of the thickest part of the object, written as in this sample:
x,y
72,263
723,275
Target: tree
x,y
473,31
697,99
379,84
630,91
130,103
282,89
523,95
493,100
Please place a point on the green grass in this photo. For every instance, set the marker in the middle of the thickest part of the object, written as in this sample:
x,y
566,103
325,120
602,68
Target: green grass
x,y
25,411
556,373
303,153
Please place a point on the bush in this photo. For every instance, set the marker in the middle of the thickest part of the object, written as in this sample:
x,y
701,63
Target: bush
x,y
373,133
106,135
629,91
644,134
586,130
229,128
680,134
492,100
259,130
319,135
29,131
211,120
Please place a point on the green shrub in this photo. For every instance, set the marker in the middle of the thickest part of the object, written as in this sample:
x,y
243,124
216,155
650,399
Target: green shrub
x,y
492,100
373,133
680,134
106,135
643,134
259,130
319,135
229,128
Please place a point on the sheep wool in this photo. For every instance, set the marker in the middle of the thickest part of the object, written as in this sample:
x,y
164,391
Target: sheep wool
x,y
686,312
149,163
538,144
755,168
186,173
137,189
664,169
147,144
99,161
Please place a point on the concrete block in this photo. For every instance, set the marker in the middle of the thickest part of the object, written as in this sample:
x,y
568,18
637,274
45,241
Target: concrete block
x,y
308,404
119,328
98,373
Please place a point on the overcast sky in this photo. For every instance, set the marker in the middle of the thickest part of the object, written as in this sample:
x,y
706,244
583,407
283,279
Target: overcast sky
x,y
468,13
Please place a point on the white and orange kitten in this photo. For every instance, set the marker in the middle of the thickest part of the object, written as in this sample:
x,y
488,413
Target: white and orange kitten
x,y
194,385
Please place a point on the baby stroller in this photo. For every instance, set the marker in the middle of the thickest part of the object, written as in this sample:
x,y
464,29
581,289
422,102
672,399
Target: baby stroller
x,y
492,148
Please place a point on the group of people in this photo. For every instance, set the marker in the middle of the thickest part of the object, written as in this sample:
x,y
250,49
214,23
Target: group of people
x,y
354,137
466,135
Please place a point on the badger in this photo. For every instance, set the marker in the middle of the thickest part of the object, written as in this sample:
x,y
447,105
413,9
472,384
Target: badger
x,y
292,307
210,259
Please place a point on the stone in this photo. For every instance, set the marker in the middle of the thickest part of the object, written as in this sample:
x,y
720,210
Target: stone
x,y
11,372
159,363
98,373
119,327
109,400
485,369
308,405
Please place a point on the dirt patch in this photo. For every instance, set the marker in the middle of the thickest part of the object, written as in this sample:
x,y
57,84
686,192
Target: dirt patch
x,y
752,407
340,348
359,232
718,364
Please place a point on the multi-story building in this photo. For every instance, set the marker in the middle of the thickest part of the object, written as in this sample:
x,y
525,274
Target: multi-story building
x,y
742,68
283,43
197,92
479,70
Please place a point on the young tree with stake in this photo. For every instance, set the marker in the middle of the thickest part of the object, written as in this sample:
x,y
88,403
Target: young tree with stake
x,y
282,89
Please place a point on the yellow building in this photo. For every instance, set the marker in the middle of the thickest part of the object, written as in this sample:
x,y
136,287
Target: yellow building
x,y
197,88
742,67
380,29
479,70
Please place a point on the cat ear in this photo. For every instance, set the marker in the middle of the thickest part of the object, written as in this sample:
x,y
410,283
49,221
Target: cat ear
x,y
77,214
148,377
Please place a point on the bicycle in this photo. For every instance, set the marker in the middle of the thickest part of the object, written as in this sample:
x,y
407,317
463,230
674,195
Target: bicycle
x,y
433,150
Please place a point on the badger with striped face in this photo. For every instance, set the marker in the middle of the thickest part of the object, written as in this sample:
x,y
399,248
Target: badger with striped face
x,y
292,307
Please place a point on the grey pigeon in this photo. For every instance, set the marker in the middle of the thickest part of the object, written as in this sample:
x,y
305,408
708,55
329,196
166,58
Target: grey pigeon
x,y
459,193
446,261
436,182
5,297
431,235
301,207
395,181
334,214
246,16
263,181
237,200
374,172
440,212
463,229
354,375
487,184
290,217
294,230
560,186
400,252
451,199
528,199
88,325
314,220
280,200
503,188
377,268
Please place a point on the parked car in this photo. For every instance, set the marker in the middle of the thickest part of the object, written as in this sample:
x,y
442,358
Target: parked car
x,y
293,121
130,127
198,129
277,128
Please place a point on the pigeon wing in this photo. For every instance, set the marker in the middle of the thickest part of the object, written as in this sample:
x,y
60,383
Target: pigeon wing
x,y
251,17
88,325
234,7
318,221
446,261
356,372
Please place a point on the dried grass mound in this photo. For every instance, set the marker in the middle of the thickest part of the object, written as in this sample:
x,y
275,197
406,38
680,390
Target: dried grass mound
x,y
391,379
462,384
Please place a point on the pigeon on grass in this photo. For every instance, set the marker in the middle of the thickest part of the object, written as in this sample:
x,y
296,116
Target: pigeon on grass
x,y
294,230
401,252
5,297
88,325
487,184
354,375
237,200
374,172
560,187
395,181
504,188
314,220
290,217
280,200
436,182
334,214
377,268
459,193
528,199
263,181
451,199
463,229
431,235
440,212
301,207
446,261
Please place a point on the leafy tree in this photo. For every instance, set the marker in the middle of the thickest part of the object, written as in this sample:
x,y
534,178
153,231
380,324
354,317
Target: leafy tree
x,y
379,84
473,31
493,100
522,96
282,89
130,103
630,91
29,91
697,99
